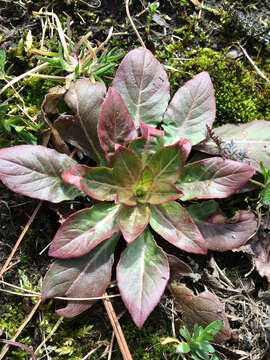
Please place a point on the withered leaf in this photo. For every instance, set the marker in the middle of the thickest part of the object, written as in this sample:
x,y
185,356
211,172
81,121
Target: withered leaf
x,y
201,309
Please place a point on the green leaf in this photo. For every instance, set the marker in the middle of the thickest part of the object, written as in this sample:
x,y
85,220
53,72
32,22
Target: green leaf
x,y
265,172
185,333
196,331
142,275
163,192
266,195
173,223
126,196
202,355
212,329
168,162
183,348
127,167
142,188
206,347
99,182
84,230
133,220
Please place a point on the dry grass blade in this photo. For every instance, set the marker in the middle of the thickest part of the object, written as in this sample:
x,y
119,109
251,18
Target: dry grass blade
x,y
59,321
133,25
117,330
4,268
22,76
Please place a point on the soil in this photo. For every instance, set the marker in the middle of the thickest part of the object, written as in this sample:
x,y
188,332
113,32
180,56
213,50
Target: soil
x,y
231,276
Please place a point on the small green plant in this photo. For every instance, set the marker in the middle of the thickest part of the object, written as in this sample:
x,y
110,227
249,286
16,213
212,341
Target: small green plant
x,y
78,59
84,63
265,193
197,345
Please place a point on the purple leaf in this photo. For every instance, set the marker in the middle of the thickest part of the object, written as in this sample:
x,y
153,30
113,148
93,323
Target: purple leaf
x,y
221,233
84,230
142,275
83,277
167,163
192,107
162,192
201,309
143,85
115,125
213,178
127,167
35,171
133,220
178,268
253,137
175,225
148,131
70,129
99,182
85,99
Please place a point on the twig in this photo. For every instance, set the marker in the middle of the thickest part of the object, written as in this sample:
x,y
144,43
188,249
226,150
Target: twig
x,y
92,352
133,25
117,330
22,346
4,268
253,64
18,287
101,46
111,347
59,28
30,293
26,321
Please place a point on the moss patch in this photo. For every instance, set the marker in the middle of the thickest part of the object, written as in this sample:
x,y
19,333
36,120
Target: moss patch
x,y
241,95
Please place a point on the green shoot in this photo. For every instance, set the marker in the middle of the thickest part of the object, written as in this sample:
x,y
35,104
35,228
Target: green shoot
x,y
197,345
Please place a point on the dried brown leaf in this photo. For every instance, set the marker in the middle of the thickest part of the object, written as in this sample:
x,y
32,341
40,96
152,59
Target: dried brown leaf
x,y
201,309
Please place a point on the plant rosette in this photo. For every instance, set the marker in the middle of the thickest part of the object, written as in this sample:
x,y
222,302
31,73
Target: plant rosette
x,y
139,186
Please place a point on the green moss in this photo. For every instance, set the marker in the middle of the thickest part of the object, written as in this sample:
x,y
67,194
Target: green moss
x,y
145,344
35,90
8,313
240,94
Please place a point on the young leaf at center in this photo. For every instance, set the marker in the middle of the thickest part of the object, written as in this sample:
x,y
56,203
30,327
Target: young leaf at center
x,y
133,220
168,162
